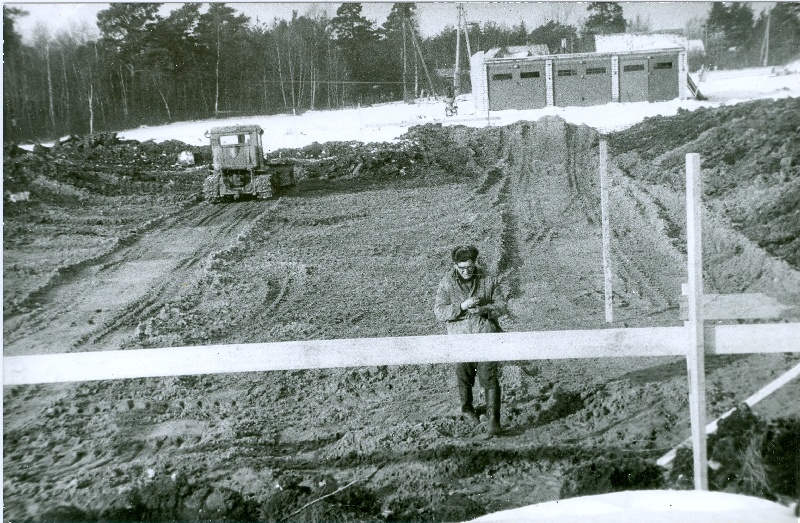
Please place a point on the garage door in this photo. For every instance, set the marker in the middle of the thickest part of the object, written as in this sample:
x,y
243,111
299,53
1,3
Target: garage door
x,y
584,82
501,88
567,83
596,82
633,84
518,86
533,85
663,79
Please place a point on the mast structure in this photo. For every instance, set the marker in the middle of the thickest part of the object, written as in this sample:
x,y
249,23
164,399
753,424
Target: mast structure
x,y
462,26
466,32
457,71
765,43
418,48
410,33
406,98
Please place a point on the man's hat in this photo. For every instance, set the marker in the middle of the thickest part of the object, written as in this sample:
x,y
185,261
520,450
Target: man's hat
x,y
464,253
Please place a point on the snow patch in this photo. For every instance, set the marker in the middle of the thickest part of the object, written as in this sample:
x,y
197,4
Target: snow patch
x,y
387,122
651,506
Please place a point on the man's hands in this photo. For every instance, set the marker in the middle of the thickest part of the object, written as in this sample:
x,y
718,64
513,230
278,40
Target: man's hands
x,y
469,303
473,306
481,310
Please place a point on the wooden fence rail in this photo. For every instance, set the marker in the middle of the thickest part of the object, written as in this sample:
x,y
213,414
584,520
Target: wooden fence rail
x,y
410,350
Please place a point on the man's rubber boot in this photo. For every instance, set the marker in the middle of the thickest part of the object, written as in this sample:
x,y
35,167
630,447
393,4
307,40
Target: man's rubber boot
x,y
467,409
493,411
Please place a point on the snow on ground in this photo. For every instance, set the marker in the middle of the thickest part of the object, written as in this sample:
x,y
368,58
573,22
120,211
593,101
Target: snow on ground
x,y
650,506
386,122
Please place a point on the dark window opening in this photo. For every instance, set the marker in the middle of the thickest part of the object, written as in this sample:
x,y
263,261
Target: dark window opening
x,y
502,76
234,139
635,67
663,65
529,74
567,72
595,70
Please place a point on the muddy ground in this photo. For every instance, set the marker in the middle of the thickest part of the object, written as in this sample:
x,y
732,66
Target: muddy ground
x,y
114,248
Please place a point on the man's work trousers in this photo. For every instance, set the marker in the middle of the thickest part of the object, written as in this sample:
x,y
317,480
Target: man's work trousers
x,y
488,373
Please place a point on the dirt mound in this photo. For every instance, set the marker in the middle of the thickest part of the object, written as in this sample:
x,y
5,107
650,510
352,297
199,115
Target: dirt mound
x,y
354,251
607,474
432,152
749,455
751,165
170,497
107,150
80,168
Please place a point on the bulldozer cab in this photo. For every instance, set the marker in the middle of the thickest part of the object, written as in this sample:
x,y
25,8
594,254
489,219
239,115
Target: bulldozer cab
x,y
237,147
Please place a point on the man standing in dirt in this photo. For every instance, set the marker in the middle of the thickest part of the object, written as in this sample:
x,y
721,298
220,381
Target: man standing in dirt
x,y
469,301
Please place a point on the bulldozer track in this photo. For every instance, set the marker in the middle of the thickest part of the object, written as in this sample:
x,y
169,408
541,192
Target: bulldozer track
x,y
127,284
72,273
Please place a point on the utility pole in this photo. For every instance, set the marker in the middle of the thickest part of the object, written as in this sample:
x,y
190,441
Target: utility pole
x,y
466,32
457,71
415,42
462,26
765,45
405,62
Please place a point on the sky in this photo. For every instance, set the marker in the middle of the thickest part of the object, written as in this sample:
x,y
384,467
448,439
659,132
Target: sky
x,y
432,16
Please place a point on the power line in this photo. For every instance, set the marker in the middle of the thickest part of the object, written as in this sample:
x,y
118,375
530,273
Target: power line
x,y
327,82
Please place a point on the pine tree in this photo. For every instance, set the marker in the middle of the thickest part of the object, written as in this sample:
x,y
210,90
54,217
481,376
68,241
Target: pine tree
x,y
220,28
356,37
604,18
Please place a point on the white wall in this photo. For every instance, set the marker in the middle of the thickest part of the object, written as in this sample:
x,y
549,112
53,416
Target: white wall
x,y
480,85
617,43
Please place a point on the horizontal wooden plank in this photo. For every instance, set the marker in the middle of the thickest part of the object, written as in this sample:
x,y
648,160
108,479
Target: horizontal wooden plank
x,y
316,354
213,359
745,306
751,338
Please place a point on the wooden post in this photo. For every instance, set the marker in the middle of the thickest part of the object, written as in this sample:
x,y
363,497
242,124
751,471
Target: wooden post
x,y
606,238
457,71
694,326
466,31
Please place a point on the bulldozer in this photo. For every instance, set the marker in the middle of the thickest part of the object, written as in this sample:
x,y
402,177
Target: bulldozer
x,y
239,168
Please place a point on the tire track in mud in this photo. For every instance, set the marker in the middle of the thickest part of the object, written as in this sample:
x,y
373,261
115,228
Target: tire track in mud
x,y
545,215
510,258
498,178
640,283
149,306
68,274
104,300
646,260
551,241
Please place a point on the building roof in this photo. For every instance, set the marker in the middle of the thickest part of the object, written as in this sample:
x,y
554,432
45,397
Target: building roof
x,y
573,56
517,51
236,129
696,46
638,42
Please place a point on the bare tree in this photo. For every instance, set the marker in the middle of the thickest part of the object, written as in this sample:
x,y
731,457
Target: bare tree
x,y
41,38
638,25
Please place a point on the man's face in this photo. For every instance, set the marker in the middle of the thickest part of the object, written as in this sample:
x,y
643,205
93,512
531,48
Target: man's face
x,y
466,269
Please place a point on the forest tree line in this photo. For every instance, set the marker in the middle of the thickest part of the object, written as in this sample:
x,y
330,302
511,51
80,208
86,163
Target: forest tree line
x,y
204,61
